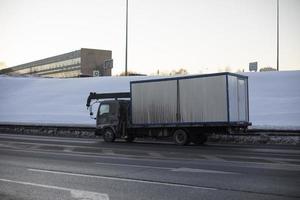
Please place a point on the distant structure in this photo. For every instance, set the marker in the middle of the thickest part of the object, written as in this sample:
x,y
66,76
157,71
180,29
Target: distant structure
x,y
130,73
2,65
253,66
267,69
79,63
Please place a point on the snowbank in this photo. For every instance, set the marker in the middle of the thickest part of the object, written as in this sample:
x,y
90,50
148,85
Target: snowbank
x,y
274,98
46,100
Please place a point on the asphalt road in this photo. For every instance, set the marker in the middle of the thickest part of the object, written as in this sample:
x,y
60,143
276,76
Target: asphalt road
x,y
36,167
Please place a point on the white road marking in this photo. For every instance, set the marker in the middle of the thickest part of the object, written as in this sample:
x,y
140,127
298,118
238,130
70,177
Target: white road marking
x,y
129,165
7,145
156,154
78,194
108,151
68,149
210,157
105,150
287,151
82,154
85,195
49,144
52,139
271,159
123,179
181,169
184,169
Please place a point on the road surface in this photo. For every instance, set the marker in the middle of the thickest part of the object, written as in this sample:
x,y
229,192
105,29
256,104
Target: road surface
x,y
37,167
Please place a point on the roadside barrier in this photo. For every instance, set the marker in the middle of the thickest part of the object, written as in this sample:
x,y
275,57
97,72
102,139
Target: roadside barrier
x,y
253,136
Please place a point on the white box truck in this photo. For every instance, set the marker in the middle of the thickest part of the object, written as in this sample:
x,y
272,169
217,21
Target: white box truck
x,y
187,108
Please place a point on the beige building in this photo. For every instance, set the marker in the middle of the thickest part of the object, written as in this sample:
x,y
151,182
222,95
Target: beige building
x,y
79,63
2,65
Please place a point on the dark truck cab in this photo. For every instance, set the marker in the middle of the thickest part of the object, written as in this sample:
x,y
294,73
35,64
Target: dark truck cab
x,y
186,108
112,116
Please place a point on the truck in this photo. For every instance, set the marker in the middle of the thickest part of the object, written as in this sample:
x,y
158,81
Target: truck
x,y
185,108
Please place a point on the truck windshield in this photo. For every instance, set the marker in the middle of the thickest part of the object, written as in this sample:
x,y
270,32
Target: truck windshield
x,y
104,108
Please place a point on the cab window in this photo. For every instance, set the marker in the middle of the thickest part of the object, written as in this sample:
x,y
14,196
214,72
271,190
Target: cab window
x,y
104,108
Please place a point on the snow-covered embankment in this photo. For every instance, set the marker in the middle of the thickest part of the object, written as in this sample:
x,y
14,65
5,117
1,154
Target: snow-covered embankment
x,y
274,99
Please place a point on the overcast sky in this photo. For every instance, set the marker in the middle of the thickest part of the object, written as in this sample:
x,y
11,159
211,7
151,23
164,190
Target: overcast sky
x,y
198,35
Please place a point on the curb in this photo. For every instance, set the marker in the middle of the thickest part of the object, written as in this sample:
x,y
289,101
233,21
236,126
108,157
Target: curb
x,y
253,136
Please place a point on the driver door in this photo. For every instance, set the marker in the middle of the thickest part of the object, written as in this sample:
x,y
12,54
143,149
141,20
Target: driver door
x,y
108,114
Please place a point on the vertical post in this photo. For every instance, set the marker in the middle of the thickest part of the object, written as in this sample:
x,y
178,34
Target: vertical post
x,y
277,35
227,98
126,38
178,114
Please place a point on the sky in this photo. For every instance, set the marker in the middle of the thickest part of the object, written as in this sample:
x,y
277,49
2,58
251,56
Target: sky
x,y
201,36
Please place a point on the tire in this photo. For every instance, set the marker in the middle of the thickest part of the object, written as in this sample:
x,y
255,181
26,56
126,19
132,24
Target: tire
x,y
181,137
200,139
109,135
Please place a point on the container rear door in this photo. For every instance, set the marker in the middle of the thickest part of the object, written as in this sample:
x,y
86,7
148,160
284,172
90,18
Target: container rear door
x,y
242,100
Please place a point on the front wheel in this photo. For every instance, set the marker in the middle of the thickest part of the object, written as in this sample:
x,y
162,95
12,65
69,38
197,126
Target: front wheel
x,y
109,135
181,137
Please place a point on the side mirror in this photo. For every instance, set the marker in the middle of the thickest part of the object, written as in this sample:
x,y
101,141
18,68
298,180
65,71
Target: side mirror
x,y
91,111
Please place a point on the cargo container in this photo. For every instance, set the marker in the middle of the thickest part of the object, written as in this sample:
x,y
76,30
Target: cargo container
x,y
187,108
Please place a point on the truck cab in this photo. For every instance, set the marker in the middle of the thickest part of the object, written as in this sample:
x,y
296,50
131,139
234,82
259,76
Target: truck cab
x,y
112,119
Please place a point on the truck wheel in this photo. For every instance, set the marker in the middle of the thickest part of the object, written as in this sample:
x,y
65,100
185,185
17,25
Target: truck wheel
x,y
109,135
200,139
181,137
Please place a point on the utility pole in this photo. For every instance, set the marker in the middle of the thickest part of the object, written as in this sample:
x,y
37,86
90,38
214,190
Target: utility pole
x,y
126,38
277,35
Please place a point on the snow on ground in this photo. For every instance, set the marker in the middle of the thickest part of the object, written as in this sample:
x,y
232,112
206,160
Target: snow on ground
x,y
274,98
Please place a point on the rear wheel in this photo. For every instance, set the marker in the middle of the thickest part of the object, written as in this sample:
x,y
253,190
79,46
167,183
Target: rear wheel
x,y
109,135
181,137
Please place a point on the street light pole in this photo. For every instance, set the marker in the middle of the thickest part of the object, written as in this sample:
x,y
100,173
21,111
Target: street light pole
x,y
126,38
277,35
